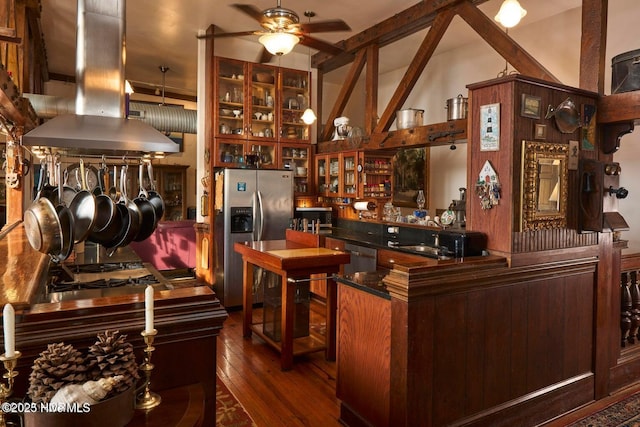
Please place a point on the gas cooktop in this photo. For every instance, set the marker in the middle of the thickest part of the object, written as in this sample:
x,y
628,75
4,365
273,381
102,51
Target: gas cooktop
x,y
82,281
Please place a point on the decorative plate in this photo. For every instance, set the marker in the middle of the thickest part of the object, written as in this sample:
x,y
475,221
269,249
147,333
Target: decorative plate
x,y
447,217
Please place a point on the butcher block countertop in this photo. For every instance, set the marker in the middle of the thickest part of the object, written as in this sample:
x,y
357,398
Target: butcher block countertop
x,y
289,255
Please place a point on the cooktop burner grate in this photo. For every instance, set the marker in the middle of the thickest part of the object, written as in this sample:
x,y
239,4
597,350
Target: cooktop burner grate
x,y
63,286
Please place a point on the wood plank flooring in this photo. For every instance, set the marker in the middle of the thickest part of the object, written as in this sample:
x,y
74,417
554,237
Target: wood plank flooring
x,y
303,396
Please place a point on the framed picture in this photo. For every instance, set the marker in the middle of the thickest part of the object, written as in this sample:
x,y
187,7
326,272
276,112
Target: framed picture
x,y
490,127
540,132
530,106
410,175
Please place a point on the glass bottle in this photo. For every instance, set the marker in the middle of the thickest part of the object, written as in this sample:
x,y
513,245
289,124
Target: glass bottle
x,y
420,199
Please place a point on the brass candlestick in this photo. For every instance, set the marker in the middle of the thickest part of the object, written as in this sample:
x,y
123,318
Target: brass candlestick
x,y
6,390
148,399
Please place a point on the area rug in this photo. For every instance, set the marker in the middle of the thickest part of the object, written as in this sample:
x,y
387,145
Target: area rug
x,y
625,413
230,412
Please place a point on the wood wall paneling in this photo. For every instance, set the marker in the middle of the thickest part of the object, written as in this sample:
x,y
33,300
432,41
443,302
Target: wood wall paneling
x,y
513,348
364,354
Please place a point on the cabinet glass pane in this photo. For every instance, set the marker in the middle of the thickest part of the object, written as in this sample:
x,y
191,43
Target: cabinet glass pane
x,y
263,93
378,172
349,178
231,153
295,99
296,159
334,175
266,154
231,97
321,169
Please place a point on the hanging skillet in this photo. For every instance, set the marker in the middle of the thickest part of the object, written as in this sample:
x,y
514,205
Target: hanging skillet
x,y
148,220
83,209
66,224
132,214
154,196
41,223
107,221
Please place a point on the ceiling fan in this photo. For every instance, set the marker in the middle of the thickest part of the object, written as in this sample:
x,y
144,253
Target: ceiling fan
x,y
282,30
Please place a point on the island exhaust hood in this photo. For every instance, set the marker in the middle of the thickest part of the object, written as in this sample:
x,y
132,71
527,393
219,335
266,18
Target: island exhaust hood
x,y
99,125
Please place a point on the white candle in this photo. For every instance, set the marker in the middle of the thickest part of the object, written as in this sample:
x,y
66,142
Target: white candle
x,y
148,309
9,326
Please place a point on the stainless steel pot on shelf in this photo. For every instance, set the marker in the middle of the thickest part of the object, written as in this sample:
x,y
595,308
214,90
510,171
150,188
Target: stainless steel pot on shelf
x,y
409,118
457,108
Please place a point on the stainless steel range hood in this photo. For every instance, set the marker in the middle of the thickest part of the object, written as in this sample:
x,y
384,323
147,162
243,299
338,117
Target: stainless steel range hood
x,y
99,125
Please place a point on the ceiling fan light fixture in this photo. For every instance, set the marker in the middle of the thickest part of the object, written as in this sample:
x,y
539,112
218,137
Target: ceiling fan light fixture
x,y
510,13
279,43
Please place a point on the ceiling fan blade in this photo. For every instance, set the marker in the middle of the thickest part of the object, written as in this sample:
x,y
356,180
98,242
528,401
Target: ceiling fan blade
x,y
265,56
324,26
237,34
320,45
250,10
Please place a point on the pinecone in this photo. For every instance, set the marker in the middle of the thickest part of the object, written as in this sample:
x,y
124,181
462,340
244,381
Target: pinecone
x,y
56,367
112,355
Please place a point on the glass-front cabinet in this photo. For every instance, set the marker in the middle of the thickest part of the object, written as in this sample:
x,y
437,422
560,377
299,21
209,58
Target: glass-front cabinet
x,y
262,102
295,98
349,174
377,176
296,157
264,154
234,153
229,90
321,170
257,106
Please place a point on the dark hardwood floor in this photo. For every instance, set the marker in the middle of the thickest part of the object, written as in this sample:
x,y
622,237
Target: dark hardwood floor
x,y
303,396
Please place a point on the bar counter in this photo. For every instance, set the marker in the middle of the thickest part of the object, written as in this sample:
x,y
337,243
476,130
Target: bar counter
x,y
188,320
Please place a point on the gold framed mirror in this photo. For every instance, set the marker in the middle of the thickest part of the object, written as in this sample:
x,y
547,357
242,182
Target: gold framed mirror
x,y
544,185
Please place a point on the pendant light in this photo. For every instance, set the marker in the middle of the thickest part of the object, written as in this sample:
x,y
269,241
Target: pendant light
x,y
309,117
510,13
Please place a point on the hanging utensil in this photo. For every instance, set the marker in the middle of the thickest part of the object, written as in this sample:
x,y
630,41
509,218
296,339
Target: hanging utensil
x,y
148,218
154,197
131,216
105,207
83,209
65,218
41,223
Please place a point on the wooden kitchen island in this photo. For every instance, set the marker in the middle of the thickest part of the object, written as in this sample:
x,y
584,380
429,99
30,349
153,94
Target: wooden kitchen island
x,y
188,320
294,262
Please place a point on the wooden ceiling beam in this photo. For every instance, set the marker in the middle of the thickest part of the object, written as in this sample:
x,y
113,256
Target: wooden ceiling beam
x,y
420,60
400,25
502,43
371,89
593,44
345,92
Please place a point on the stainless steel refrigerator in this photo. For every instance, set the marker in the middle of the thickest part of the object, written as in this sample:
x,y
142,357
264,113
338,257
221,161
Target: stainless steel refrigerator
x,y
257,205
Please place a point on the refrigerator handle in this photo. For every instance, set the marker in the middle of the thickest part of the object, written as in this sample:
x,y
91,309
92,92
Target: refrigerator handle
x,y
254,214
261,222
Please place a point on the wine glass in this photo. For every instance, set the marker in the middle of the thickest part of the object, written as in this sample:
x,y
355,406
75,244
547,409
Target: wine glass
x,y
420,199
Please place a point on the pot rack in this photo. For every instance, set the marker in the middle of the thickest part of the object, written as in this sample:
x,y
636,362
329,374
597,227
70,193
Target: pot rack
x,y
127,159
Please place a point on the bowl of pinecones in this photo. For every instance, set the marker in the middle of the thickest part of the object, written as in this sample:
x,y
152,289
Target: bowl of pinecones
x,y
94,388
